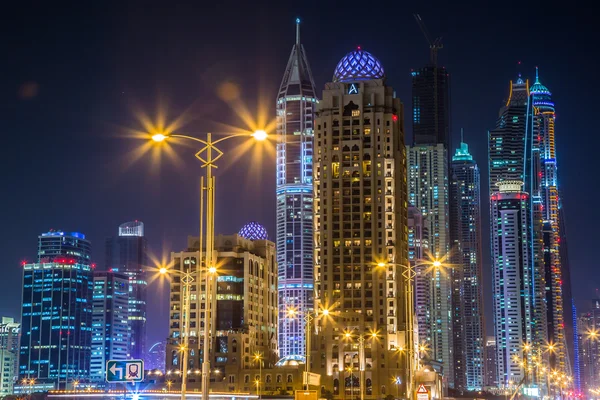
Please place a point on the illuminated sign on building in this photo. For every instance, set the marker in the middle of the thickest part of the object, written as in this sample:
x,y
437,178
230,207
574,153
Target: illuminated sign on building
x,y
10,328
353,88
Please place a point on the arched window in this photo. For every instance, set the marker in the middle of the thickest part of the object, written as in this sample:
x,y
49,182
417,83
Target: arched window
x,y
290,379
382,389
336,386
369,385
355,148
234,346
175,357
278,378
268,379
246,378
345,148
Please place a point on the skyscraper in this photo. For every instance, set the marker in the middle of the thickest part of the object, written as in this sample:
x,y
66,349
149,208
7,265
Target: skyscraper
x,y
431,106
110,327
428,191
465,223
57,311
127,254
360,221
295,109
513,280
546,192
589,346
491,375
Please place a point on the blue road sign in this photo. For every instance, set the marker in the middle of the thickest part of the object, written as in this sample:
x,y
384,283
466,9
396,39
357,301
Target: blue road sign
x,y
125,371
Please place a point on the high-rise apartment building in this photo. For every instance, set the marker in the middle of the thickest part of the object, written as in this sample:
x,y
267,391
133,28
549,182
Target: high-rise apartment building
x,y
588,327
360,221
546,194
56,316
465,225
428,192
127,254
110,327
490,362
513,280
246,317
295,109
10,334
431,106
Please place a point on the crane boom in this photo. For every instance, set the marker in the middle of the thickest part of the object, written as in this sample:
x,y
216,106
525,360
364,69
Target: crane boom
x,y
433,46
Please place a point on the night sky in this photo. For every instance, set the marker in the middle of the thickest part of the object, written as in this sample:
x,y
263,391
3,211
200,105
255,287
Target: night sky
x,y
76,75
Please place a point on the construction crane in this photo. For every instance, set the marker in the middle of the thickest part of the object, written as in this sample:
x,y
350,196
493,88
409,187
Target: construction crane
x,y
433,46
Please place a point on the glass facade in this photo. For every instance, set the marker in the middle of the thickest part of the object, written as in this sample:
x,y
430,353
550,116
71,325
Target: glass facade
x,y
56,322
127,254
110,335
295,109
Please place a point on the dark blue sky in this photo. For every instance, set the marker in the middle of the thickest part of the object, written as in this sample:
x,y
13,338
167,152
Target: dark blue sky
x,y
72,75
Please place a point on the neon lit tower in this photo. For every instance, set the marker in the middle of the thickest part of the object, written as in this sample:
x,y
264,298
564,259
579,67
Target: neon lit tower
x,y
295,116
545,187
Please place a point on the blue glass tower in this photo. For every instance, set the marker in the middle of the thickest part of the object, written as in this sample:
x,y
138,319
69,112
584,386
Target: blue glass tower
x,y
295,116
57,311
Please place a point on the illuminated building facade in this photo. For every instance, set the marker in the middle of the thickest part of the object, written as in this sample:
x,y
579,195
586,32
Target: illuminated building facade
x,y
10,335
56,316
465,218
295,109
110,326
589,347
127,254
545,188
490,363
428,191
360,221
512,279
246,317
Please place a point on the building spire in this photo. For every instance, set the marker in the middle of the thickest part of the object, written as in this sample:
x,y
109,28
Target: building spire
x,y
462,135
297,30
537,76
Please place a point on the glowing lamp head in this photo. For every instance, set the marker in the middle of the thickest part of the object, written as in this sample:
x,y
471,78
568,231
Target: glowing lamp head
x,y
325,312
159,137
162,270
347,334
212,270
437,264
260,135
373,334
381,264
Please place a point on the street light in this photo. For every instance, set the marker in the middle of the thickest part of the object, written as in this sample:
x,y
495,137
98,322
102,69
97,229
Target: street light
x,y
258,357
409,275
205,156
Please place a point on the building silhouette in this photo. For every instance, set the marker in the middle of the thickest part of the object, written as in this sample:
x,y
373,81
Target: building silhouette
x,y
360,221
127,254
295,110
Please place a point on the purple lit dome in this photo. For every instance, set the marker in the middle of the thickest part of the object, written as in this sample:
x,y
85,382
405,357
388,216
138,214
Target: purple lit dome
x,y
358,65
253,231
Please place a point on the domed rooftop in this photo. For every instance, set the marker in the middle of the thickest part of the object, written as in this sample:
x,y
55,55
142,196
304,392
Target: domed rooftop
x,y
291,361
537,87
358,65
253,231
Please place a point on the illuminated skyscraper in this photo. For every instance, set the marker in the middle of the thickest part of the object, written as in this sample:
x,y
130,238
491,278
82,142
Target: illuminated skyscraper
x,y
56,312
428,191
110,327
465,218
295,115
513,280
545,188
360,221
127,254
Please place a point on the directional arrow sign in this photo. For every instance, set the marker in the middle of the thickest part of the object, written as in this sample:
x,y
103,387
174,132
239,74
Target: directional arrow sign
x,y
125,371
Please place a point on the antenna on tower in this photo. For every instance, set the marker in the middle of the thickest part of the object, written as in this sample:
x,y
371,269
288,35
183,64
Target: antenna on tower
x,y
297,30
433,46
462,135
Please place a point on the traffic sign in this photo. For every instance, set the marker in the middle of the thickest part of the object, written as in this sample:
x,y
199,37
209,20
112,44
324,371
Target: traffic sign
x,y
125,371
422,393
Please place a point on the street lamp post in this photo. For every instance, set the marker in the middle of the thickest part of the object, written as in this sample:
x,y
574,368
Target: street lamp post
x,y
258,357
205,155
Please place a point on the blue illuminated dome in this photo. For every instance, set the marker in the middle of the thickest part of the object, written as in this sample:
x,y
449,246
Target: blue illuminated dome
x,y
291,361
358,65
253,231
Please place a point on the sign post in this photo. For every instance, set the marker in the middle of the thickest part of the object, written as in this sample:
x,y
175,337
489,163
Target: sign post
x,y
124,371
422,393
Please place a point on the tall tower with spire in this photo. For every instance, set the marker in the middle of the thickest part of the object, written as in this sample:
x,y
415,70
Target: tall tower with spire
x,y
546,193
295,108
